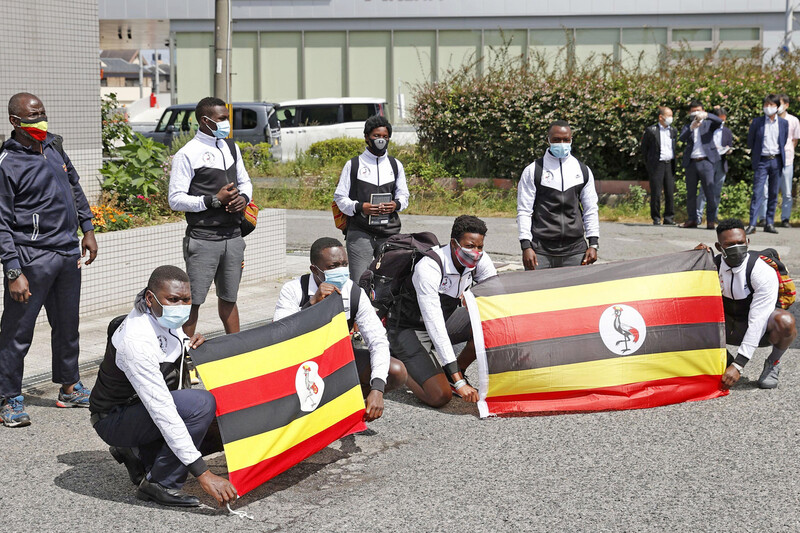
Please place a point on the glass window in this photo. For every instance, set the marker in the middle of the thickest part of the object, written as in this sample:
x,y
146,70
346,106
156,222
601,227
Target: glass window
x,y
643,46
548,47
244,119
286,116
358,112
737,53
162,124
596,45
691,35
182,119
739,34
322,115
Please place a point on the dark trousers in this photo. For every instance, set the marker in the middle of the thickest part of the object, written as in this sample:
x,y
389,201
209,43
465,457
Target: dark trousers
x,y
662,179
54,281
558,261
132,427
768,171
700,172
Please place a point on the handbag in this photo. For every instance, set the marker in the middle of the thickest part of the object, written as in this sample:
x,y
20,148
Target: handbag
x,y
250,219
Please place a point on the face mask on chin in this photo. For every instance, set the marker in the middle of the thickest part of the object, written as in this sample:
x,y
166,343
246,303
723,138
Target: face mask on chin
x,y
734,255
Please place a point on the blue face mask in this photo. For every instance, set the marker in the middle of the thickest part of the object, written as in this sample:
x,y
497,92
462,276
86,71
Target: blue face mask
x,y
223,129
560,150
172,316
337,276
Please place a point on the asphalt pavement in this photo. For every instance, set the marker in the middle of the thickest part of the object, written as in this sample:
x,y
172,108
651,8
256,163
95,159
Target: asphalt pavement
x,y
728,464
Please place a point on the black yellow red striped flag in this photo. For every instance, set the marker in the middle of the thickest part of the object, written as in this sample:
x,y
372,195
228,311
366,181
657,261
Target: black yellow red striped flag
x,y
284,391
624,335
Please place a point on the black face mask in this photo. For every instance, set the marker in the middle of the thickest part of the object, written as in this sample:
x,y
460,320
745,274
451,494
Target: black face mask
x,y
379,145
734,255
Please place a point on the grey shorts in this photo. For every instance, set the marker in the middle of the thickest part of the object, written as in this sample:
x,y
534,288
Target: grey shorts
x,y
218,261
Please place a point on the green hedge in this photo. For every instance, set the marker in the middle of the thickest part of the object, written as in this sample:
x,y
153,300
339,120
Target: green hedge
x,y
494,125
336,151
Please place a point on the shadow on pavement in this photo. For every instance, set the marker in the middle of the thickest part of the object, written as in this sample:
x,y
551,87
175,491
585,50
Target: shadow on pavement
x,y
96,474
456,407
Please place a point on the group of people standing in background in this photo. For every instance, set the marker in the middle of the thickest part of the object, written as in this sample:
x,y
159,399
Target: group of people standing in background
x,y
771,139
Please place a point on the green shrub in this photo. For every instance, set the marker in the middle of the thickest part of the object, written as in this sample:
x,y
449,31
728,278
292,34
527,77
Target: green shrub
x,y
735,200
336,151
115,127
140,179
257,158
179,141
495,124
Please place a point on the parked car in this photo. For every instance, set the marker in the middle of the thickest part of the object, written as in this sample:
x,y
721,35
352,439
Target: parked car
x,y
252,122
304,122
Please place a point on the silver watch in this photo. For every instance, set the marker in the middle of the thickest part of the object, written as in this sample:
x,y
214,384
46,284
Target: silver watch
x,y
215,203
595,246
13,273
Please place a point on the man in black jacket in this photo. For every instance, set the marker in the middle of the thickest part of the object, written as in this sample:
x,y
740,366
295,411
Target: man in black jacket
x,y
42,206
659,149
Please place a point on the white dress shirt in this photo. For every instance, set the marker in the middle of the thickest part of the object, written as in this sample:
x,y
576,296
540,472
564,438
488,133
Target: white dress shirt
x,y
771,130
368,322
666,143
203,151
794,133
765,293
429,281
142,345
697,145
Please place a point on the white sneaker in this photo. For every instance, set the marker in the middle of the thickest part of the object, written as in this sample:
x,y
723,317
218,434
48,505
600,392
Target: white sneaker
x,y
769,376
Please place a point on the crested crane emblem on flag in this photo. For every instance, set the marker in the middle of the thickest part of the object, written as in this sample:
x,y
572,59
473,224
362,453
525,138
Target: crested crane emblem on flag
x,y
622,329
625,335
309,386
284,391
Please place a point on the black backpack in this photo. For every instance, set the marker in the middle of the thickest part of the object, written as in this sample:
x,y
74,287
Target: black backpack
x,y
786,286
355,298
387,281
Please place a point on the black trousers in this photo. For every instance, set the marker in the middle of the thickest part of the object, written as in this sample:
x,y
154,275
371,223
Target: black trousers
x,y
132,427
662,179
54,281
701,172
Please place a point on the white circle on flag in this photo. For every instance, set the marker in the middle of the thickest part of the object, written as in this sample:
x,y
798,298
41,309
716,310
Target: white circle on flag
x,y
309,386
622,329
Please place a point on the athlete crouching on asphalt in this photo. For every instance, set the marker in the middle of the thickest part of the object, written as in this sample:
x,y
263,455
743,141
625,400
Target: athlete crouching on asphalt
x,y
137,406
441,321
377,371
751,317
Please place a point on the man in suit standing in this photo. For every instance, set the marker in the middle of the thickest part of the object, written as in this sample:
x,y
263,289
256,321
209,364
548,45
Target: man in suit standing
x,y
699,159
767,141
659,149
723,140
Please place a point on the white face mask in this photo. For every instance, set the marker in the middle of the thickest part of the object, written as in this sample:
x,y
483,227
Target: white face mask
x,y
668,121
771,110
781,109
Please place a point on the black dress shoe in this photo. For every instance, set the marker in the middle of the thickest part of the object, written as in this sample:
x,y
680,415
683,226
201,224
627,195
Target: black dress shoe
x,y
689,225
785,224
749,230
152,491
656,221
710,225
769,228
132,463
669,222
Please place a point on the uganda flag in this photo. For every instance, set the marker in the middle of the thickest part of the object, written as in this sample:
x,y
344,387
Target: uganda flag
x,y
284,391
625,335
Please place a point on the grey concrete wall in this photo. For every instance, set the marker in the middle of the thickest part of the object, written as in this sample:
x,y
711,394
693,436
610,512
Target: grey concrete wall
x,y
126,258
50,49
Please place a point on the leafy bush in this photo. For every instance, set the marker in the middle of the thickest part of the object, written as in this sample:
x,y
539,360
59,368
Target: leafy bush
x,y
494,125
179,140
336,151
735,200
257,159
115,127
140,179
110,218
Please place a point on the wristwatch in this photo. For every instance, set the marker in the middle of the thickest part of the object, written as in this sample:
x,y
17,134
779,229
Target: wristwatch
x,y
595,246
215,203
13,273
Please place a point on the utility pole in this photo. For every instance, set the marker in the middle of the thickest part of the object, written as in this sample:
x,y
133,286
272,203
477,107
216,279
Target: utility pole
x,y
222,48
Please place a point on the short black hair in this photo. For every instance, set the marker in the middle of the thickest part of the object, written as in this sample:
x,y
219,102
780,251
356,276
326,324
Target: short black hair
x,y
321,244
558,124
16,101
204,106
695,103
467,224
785,98
377,121
728,224
164,274
772,99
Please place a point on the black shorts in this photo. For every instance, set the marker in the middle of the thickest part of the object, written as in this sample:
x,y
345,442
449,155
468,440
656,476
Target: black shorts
x,y
736,329
415,349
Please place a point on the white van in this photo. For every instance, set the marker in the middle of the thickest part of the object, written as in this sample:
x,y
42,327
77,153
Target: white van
x,y
304,122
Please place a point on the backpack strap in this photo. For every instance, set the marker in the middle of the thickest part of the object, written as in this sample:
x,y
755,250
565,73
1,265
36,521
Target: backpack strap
x,y
585,172
353,177
717,258
752,257
58,144
393,163
355,298
232,147
538,169
304,281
